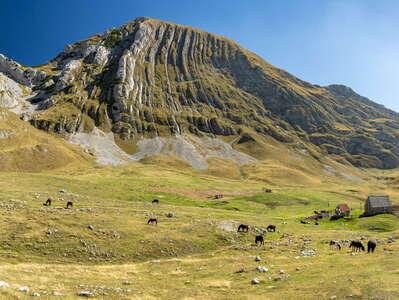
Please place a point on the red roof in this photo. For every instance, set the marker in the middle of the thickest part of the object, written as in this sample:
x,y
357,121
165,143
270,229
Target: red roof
x,y
343,207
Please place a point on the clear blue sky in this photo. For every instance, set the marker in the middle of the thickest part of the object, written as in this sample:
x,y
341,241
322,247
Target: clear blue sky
x,y
351,42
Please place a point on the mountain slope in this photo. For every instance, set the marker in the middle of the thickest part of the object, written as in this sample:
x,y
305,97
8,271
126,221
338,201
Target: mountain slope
x,y
151,78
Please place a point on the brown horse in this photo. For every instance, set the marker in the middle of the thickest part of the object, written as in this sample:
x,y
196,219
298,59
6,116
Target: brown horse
x,y
48,202
69,204
243,228
259,239
152,221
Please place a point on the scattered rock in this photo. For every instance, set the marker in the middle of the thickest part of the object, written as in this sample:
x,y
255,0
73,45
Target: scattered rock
x,y
255,281
55,293
307,253
85,294
257,258
278,278
155,261
91,227
35,294
262,269
333,297
170,215
127,282
4,284
63,191
23,289
282,272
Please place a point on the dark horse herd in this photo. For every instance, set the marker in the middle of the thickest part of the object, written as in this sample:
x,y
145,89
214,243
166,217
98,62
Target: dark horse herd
x,y
49,201
259,238
357,246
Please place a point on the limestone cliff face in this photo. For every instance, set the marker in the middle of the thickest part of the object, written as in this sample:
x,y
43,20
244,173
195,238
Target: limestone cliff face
x,y
152,78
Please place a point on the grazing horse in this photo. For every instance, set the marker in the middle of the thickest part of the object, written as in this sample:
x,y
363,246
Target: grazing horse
x,y
155,201
69,204
336,244
152,221
304,222
356,246
243,228
268,190
218,196
271,228
259,239
48,202
371,245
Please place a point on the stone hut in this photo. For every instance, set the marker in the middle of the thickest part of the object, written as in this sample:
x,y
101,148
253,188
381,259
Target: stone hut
x,y
377,205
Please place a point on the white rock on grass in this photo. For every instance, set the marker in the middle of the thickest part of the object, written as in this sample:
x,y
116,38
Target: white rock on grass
x,y
262,269
85,294
255,281
23,289
257,258
4,284
35,295
55,293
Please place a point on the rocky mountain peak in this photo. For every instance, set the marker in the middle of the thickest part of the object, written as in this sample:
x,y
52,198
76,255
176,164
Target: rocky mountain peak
x,y
150,78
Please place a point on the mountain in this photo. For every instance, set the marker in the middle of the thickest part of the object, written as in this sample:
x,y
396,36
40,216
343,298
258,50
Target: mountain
x,y
153,87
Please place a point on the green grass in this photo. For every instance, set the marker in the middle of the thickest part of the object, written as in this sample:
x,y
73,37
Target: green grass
x,y
191,245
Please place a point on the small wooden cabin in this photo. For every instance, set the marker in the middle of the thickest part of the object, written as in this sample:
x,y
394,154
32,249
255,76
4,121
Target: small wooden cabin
x,y
342,210
377,205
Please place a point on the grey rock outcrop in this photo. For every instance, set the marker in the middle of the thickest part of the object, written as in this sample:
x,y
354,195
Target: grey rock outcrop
x,y
23,75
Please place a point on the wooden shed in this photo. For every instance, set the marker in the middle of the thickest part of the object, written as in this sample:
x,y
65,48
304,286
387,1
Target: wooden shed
x,y
342,210
377,205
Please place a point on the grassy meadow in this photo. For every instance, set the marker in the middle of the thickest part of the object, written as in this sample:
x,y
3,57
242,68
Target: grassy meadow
x,y
104,246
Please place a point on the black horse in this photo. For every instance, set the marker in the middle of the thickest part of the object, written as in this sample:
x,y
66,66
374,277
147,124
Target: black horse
x,y
271,228
48,202
356,246
243,228
152,221
69,204
155,201
304,222
259,239
371,245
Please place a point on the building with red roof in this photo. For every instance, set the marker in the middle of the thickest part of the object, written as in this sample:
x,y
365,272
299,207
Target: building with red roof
x,y
342,210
